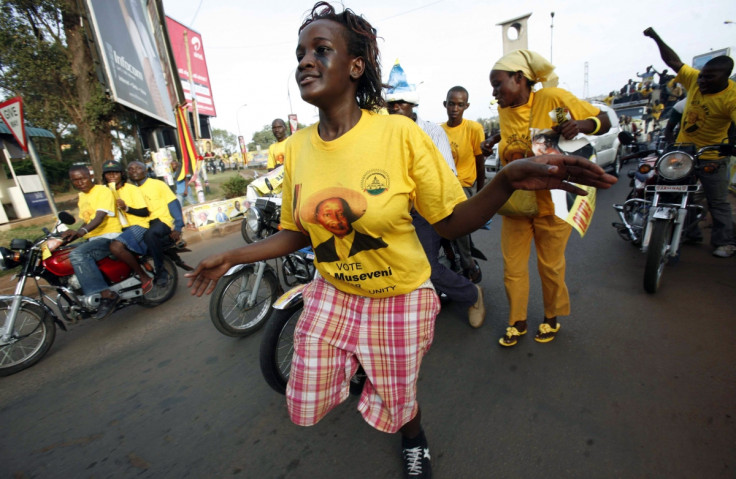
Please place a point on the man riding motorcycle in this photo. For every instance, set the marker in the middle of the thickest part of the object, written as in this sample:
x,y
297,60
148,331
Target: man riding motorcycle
x,y
101,225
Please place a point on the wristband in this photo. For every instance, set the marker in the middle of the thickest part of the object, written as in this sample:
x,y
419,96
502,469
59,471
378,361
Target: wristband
x,y
86,231
597,125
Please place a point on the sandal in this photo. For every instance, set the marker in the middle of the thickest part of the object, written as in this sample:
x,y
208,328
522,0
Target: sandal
x,y
546,333
147,284
512,335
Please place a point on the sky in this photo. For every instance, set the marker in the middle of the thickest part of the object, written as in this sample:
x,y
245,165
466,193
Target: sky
x,y
250,47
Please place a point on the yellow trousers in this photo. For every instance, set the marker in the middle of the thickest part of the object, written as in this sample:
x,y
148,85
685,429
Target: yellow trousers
x,y
550,236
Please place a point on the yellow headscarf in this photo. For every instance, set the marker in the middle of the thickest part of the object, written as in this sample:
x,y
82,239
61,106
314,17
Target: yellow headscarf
x,y
533,65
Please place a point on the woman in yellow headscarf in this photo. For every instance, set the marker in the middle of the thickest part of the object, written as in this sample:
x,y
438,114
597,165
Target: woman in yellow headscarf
x,y
520,111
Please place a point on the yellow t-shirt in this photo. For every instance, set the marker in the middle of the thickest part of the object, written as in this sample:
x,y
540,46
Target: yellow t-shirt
x,y
276,154
707,117
99,198
465,140
515,135
158,195
379,169
133,198
657,111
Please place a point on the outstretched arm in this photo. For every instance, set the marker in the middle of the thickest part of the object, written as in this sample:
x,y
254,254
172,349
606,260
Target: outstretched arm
x,y
537,173
204,277
668,55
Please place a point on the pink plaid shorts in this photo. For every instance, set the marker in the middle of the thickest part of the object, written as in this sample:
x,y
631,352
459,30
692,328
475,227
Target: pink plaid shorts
x,y
337,331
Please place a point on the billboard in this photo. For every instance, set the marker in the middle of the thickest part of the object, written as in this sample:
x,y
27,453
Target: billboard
x,y
699,61
133,64
200,76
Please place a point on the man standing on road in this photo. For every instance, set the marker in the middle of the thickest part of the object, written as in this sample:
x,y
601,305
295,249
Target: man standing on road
x,y
709,111
465,138
276,151
458,288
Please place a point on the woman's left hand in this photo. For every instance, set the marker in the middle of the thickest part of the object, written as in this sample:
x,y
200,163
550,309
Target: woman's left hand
x,y
549,172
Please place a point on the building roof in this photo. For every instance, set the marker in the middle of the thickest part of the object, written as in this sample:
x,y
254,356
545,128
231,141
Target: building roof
x,y
30,131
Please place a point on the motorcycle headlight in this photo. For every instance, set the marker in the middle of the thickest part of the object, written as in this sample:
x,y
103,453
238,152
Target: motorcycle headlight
x,y
675,165
253,217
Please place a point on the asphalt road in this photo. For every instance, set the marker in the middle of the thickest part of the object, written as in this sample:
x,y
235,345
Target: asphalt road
x,y
634,386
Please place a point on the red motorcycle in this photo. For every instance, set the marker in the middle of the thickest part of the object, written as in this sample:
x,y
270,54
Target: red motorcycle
x,y
27,324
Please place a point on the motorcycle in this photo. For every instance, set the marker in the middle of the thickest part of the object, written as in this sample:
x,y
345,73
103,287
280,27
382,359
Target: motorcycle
x,y
659,210
28,324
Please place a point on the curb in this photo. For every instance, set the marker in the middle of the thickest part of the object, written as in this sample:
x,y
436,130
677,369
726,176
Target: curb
x,y
220,230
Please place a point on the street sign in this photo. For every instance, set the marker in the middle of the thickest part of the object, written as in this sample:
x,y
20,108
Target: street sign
x,y
11,112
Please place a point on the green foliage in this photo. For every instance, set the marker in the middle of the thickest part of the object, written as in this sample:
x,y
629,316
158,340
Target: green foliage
x,y
225,140
262,138
235,186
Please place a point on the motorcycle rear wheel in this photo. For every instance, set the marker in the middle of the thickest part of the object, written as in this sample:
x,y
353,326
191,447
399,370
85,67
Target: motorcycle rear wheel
x,y
657,255
277,347
33,336
161,294
228,309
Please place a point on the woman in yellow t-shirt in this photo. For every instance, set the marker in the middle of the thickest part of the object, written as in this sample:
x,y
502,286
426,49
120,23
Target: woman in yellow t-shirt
x,y
372,304
520,111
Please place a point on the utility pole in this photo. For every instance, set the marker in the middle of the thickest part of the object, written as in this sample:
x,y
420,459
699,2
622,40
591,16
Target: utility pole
x,y
585,82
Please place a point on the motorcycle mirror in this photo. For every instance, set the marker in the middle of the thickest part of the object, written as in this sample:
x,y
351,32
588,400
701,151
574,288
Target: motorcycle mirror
x,y
626,138
66,218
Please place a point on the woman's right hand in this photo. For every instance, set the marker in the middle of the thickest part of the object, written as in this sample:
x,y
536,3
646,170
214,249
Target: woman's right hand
x,y
204,277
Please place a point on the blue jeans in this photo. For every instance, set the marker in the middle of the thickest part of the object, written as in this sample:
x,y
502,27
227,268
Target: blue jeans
x,y
84,260
457,287
156,237
191,197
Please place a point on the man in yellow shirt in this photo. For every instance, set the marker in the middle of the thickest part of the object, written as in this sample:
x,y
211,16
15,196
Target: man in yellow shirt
x,y
709,111
132,208
276,151
465,138
101,225
166,219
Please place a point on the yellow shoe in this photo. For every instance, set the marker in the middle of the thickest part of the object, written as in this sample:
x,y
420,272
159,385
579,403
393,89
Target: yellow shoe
x,y
512,336
546,333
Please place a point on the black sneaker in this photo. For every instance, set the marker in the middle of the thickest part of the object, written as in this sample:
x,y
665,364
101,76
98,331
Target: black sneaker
x,y
415,453
107,306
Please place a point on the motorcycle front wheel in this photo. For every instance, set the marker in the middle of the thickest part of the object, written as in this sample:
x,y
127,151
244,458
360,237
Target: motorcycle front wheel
x,y
657,255
32,337
277,347
231,310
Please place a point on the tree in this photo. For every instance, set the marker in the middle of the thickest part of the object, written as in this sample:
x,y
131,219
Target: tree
x,y
265,138
45,57
262,138
225,140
